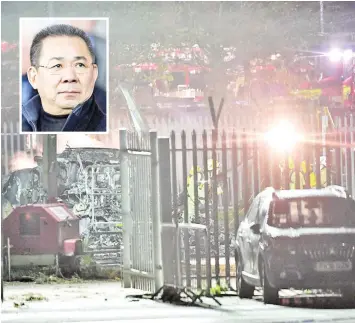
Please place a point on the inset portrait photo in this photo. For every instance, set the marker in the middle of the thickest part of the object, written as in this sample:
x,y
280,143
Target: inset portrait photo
x,y
64,75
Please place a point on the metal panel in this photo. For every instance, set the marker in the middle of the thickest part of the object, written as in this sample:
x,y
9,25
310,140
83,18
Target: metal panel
x,y
141,224
104,237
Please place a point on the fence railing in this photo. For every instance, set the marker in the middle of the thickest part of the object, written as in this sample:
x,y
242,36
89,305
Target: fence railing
x,y
30,145
205,179
214,179
142,260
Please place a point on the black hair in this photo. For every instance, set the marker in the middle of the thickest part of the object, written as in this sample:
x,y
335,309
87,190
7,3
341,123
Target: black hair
x,y
56,31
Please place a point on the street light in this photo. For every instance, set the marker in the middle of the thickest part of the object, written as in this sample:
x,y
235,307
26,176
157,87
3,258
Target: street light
x,y
283,137
348,55
346,58
336,55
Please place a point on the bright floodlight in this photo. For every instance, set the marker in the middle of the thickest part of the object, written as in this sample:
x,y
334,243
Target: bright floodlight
x,y
348,54
283,137
335,55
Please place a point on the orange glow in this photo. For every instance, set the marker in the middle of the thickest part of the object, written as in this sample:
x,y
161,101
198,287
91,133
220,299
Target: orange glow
x,y
22,160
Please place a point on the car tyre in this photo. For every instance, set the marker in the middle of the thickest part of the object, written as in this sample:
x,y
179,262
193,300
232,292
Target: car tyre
x,y
271,294
243,288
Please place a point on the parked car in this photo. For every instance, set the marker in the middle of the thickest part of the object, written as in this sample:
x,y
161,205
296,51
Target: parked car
x,y
302,239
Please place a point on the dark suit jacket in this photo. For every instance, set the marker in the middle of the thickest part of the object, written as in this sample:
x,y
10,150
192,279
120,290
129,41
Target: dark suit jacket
x,y
85,117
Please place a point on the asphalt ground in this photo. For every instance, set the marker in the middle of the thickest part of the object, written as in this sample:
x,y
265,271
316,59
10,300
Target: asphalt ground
x,y
107,302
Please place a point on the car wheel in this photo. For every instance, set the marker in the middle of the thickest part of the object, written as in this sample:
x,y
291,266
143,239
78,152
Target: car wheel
x,y
243,288
271,294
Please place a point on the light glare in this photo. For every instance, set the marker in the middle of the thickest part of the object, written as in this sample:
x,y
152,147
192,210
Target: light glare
x,y
335,55
348,54
283,137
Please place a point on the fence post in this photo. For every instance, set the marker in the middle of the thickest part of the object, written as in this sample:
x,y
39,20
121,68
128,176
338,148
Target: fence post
x,y
166,206
8,246
6,150
352,143
246,190
348,152
156,213
2,255
126,208
49,175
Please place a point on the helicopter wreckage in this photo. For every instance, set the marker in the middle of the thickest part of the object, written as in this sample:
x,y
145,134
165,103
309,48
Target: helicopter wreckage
x,y
88,182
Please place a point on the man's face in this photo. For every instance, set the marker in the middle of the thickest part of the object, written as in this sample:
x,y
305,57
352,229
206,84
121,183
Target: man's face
x,y
65,76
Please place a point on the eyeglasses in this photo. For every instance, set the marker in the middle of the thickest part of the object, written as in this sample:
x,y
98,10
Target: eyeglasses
x,y
58,69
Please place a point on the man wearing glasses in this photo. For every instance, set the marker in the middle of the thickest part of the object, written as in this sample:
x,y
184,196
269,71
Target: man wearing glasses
x,y
64,71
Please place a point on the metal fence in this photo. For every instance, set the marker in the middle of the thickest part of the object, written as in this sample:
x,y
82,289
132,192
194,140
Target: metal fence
x,y
215,175
13,142
203,180
142,262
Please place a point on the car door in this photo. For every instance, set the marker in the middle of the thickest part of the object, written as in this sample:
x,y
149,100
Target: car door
x,y
245,236
263,208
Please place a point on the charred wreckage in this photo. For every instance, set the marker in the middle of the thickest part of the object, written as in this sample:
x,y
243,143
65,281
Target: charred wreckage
x,y
88,182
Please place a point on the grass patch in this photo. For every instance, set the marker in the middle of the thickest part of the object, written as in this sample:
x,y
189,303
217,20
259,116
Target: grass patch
x,y
89,270
31,297
52,279
222,269
19,301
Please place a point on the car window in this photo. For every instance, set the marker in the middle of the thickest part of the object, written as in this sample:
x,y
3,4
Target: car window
x,y
263,209
253,210
313,212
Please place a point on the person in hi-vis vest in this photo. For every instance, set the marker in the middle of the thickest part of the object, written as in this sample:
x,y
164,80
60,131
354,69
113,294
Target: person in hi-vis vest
x,y
312,174
201,181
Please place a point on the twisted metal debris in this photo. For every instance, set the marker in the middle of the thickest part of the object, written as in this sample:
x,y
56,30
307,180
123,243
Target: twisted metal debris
x,y
88,183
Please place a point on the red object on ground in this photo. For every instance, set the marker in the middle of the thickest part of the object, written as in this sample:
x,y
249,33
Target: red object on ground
x,y
41,229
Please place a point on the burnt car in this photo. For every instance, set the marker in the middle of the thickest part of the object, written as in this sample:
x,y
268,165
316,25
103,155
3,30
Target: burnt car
x,y
302,239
